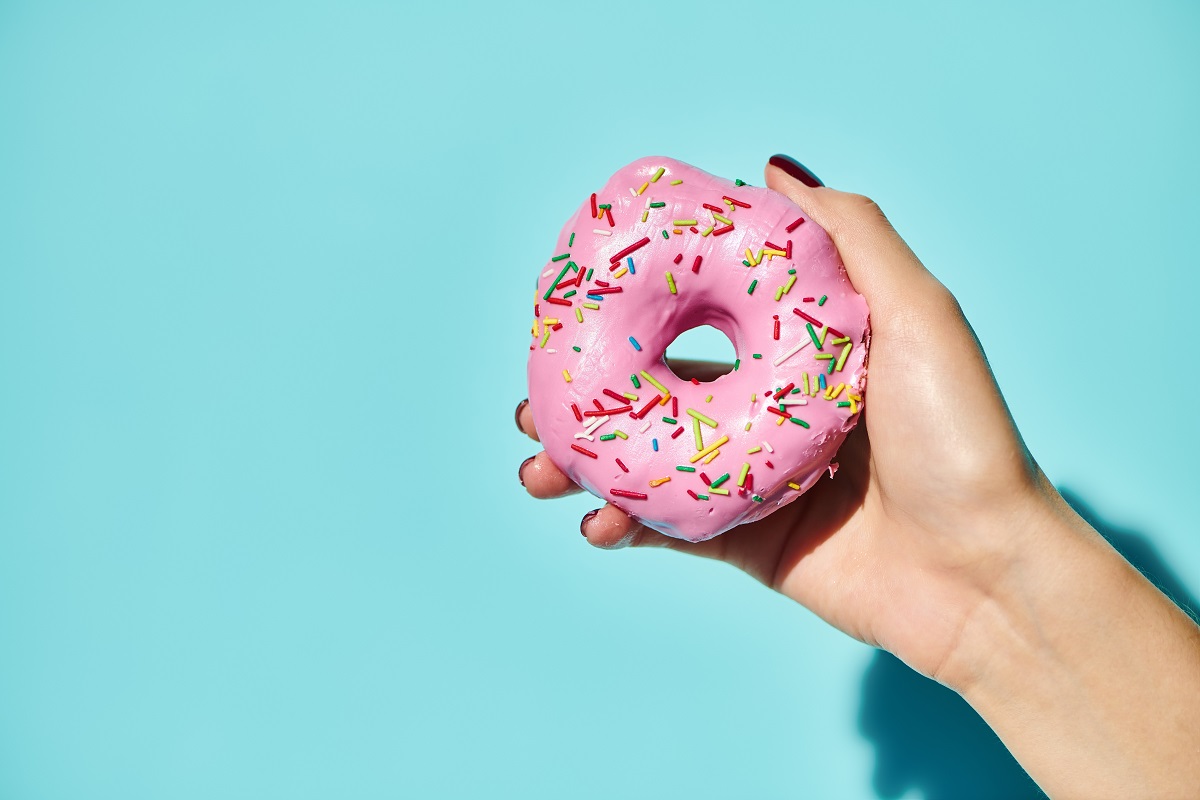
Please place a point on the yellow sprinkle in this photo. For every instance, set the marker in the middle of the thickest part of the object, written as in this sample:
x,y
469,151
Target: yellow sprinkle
x,y
804,383
831,394
676,182
534,331
654,383
853,406
546,338
699,436
550,321
731,205
853,397
708,399
645,214
711,456
750,257
780,420
566,376
671,282
683,223
744,473
620,272
759,258
718,491
772,252
659,481
707,230
793,485
579,314
754,397
630,397
753,450
723,220
654,179
666,397
778,293
678,230
747,426
791,282
709,421
592,306
842,340
711,448
841,362
622,434
644,187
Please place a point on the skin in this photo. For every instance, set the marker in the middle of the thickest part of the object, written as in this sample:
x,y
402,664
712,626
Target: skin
x,y
941,541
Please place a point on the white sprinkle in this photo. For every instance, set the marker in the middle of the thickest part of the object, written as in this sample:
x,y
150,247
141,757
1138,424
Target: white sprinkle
x,y
645,427
649,200
800,400
601,233
633,191
551,350
596,423
585,436
768,448
792,352
548,273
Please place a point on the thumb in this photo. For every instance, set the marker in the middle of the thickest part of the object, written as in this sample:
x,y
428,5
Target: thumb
x,y
880,264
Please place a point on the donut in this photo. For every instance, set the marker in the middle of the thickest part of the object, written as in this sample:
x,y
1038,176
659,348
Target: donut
x,y
662,248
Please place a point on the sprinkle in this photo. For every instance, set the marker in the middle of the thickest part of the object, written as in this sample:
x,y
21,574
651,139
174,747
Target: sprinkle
x,y
686,469
646,410
708,459
620,272
659,481
666,235
778,292
560,258
752,285
820,345
654,442
693,494
601,232
707,230
635,344
724,492
779,393
768,448
629,494
589,437
737,362
722,231
844,404
710,449
756,355
590,306
823,356
676,182
739,182
671,282
774,251
629,261
566,376
606,206
719,481
614,395
655,383
658,205
621,434
678,431
750,257
645,240
834,392
742,475
677,259
629,396
571,241
674,406
795,225
595,213
798,421
821,379
569,294
709,421
636,383
788,286
753,450
683,223
584,450
841,362
841,340
654,178
546,337
595,424
737,203
645,427
621,464
699,436
554,283
608,437
722,220
708,399
589,274
824,297
643,188
777,327
793,485
777,412
670,421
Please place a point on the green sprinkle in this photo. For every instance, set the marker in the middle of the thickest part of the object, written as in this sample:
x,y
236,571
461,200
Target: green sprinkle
x,y
560,258
799,422
607,437
571,243
621,434
658,205
737,363
738,182
843,404
666,235
719,481
702,496
748,291
588,277
756,355
841,362
576,348
778,293
554,282
670,421
708,399
791,272
574,267
832,365
796,390
823,356
699,437
686,469
821,302
747,263
676,182
636,383
683,223
654,178
568,294
756,498
604,205
696,415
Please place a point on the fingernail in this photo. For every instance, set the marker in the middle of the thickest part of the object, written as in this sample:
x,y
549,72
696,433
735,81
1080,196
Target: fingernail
x,y
586,518
521,469
517,416
797,170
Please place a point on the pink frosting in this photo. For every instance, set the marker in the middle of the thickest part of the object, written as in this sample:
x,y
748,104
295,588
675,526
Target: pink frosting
x,y
785,453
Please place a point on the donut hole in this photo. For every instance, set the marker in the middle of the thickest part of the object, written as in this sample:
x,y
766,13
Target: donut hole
x,y
704,353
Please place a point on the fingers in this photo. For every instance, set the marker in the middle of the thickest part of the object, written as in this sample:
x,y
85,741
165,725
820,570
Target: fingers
x,y
543,480
880,264
525,420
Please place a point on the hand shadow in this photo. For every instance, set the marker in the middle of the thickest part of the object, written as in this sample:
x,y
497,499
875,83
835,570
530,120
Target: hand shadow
x,y
927,738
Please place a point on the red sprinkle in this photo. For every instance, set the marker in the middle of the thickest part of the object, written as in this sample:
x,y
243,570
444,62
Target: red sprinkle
x,y
609,290
810,300
578,416
795,225
537,309
615,396
707,480
674,406
649,406
696,266
558,301
599,406
603,284
769,464
749,481
696,382
722,231
566,283
630,495
784,391
693,494
775,410
694,229
736,202
621,464
679,258
714,208
633,247
612,223
772,246
595,211
620,410
787,251
584,450
836,333
556,326
675,435
776,327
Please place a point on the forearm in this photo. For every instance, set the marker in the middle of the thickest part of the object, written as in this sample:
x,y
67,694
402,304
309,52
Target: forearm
x,y
1087,672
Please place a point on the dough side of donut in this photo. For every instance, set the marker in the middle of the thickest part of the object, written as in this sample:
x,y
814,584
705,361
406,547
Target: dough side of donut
x,y
677,248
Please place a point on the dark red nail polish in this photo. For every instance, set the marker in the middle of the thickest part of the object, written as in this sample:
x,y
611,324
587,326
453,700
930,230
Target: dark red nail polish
x,y
585,519
797,170
517,416
521,469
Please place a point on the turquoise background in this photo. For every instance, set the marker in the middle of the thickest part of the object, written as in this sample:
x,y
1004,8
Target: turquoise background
x,y
264,272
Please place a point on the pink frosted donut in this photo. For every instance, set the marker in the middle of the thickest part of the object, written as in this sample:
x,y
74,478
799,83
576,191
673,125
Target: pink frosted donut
x,y
661,249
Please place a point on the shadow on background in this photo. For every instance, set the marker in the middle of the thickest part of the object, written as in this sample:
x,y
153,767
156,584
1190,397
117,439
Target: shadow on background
x,y
927,738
